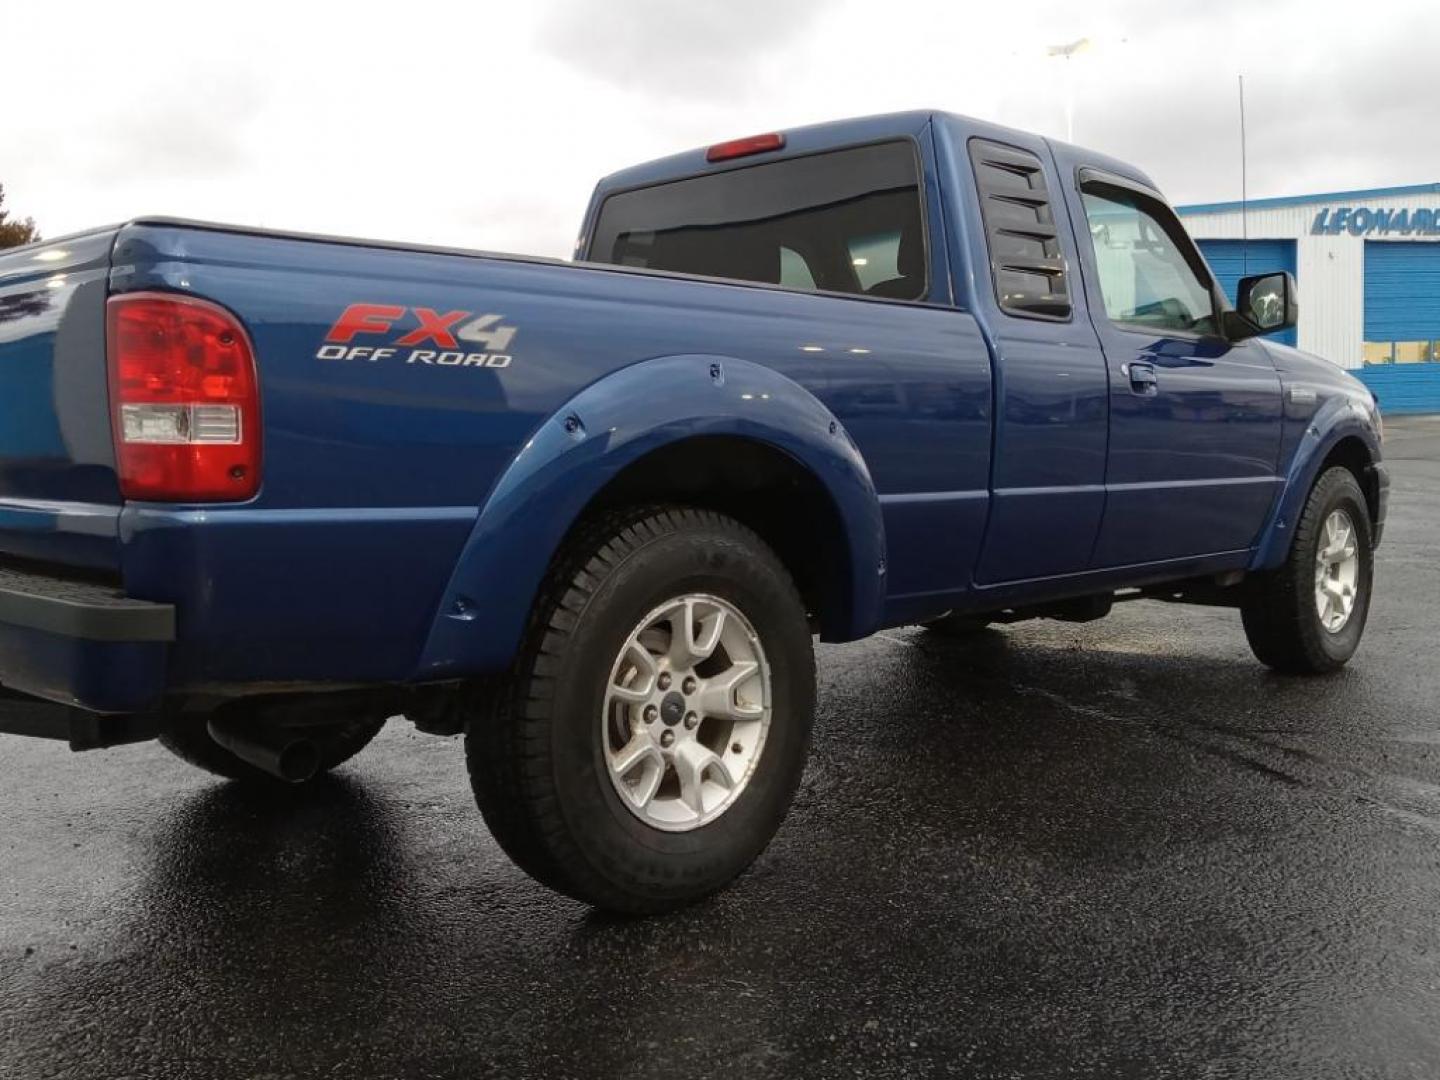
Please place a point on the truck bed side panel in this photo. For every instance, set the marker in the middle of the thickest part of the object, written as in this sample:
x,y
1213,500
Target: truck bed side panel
x,y
375,468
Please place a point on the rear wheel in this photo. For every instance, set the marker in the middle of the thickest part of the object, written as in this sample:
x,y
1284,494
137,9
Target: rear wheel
x,y
1307,617
336,744
648,743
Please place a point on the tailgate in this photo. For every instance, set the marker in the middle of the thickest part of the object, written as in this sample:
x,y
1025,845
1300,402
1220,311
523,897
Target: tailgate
x,y
59,499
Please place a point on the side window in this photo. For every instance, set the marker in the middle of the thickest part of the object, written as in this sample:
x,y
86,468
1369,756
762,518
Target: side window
x,y
1026,262
847,221
1145,263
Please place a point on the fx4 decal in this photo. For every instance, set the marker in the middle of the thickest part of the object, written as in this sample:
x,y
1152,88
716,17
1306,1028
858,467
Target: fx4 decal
x,y
449,333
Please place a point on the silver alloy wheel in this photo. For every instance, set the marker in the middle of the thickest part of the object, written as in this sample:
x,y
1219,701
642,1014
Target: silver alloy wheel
x,y
1337,572
687,710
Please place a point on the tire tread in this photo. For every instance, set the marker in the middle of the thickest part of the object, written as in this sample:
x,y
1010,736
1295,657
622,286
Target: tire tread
x,y
1278,615
508,742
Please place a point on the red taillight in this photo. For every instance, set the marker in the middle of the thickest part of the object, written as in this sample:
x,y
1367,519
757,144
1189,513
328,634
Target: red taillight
x,y
755,144
184,402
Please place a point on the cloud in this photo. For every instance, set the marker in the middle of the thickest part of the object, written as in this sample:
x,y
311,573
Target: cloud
x,y
706,49
195,135
1321,114
486,125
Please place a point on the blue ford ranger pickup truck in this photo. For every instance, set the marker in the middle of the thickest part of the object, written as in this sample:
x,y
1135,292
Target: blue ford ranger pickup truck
x,y
261,491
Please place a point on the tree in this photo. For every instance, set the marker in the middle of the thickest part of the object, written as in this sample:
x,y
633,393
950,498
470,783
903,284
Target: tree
x,y
15,231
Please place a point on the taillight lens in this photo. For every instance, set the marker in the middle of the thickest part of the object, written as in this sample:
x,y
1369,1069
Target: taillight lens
x,y
185,405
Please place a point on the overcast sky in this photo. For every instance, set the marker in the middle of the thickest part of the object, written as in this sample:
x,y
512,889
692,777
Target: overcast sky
x,y
485,124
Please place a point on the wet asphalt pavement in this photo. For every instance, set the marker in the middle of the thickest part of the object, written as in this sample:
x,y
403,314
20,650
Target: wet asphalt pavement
x,y
1116,849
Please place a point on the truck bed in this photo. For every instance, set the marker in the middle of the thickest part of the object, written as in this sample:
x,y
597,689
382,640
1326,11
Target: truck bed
x,y
376,468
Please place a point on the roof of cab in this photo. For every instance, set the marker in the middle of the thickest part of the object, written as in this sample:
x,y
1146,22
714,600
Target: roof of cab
x,y
801,140
836,133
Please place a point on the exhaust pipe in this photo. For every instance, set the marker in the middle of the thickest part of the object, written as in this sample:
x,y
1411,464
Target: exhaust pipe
x,y
283,754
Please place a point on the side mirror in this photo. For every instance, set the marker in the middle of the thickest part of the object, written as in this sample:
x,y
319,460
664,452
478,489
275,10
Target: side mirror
x,y
1264,303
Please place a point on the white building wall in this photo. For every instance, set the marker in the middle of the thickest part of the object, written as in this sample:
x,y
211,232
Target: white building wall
x,y
1332,303
1330,270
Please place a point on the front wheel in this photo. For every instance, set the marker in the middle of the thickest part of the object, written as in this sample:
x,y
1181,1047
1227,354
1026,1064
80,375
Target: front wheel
x,y
653,732
1307,617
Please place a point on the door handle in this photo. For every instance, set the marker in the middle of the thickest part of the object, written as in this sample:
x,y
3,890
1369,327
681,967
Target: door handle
x,y
1142,377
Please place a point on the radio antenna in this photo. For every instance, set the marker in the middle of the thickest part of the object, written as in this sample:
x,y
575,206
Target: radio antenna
x,y
1244,217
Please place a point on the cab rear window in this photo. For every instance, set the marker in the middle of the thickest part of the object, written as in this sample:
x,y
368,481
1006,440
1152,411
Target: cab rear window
x,y
846,221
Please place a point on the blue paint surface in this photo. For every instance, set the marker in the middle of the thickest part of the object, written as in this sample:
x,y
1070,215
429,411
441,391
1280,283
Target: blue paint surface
x,y
972,460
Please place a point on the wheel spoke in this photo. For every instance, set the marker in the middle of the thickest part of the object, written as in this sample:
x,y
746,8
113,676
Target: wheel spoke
x,y
1339,545
648,786
647,670
639,753
695,631
630,695
694,762
720,698
1336,570
640,748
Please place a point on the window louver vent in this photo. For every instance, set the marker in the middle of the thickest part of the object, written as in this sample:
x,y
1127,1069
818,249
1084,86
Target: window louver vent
x,y
1026,261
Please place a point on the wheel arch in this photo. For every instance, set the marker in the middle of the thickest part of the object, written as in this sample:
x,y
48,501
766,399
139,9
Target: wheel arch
x,y
1341,433
710,431
762,487
1351,452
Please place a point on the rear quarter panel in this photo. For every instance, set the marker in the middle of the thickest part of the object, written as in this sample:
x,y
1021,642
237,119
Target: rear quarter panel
x,y
376,471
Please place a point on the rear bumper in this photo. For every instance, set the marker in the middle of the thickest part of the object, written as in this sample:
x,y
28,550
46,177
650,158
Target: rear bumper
x,y
80,643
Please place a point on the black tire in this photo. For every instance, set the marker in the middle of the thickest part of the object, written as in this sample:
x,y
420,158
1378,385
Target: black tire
x,y
1281,621
957,626
534,745
190,741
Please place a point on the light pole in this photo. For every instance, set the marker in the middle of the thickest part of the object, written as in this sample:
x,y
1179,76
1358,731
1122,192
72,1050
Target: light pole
x,y
1067,53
